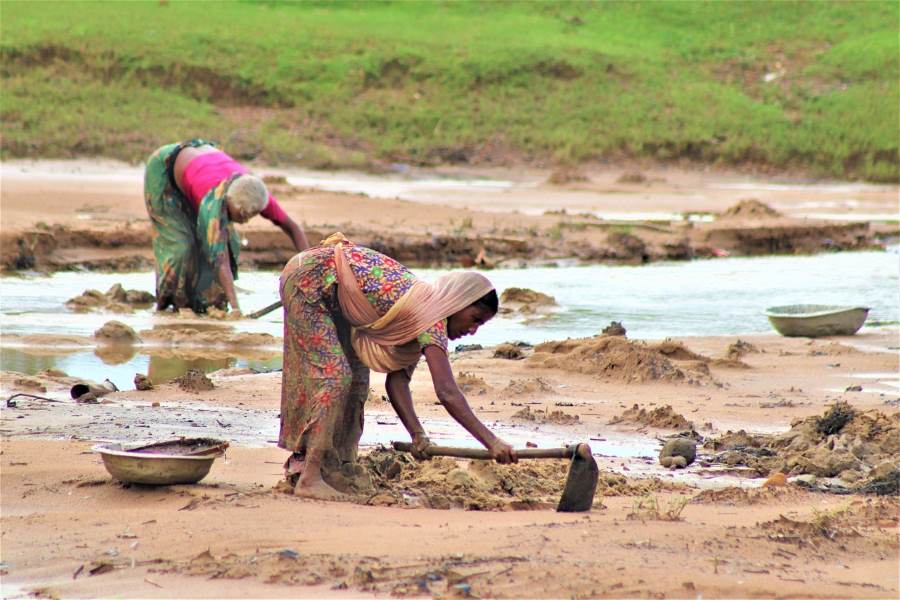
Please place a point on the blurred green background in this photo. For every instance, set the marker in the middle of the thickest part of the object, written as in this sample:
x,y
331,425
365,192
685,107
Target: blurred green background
x,y
781,86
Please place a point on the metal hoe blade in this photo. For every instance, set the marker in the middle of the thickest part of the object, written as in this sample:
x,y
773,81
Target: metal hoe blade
x,y
581,483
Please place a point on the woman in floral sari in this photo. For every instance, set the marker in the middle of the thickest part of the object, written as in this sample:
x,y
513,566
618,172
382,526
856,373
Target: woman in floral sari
x,y
349,309
194,192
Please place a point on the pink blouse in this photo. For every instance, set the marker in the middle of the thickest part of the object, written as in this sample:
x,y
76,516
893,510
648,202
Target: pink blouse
x,y
206,171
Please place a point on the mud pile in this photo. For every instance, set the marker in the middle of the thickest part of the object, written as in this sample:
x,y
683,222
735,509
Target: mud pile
x,y
619,359
739,349
525,301
469,383
556,417
843,450
663,417
524,387
477,485
116,299
751,208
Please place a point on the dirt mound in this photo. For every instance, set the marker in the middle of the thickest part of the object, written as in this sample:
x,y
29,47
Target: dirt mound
x,y
477,485
47,380
614,328
509,352
470,383
188,335
842,450
525,301
557,417
116,299
533,385
737,496
663,417
194,381
751,208
116,332
613,484
739,349
619,359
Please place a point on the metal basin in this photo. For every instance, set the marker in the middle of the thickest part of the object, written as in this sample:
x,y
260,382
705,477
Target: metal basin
x,y
815,320
164,463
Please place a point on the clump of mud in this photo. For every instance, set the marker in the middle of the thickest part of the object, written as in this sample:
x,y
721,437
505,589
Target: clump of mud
x,y
739,349
469,383
194,381
614,328
751,208
509,352
842,450
116,332
116,299
617,358
533,385
614,484
477,485
525,301
663,417
556,417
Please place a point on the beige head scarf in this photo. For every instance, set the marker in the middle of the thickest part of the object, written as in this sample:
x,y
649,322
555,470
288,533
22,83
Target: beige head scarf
x,y
247,195
387,343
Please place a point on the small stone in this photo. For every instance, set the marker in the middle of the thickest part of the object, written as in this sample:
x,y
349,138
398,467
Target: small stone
x,y
682,447
854,388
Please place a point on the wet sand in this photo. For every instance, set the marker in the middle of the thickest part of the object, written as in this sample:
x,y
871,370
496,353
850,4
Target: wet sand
x,y
70,530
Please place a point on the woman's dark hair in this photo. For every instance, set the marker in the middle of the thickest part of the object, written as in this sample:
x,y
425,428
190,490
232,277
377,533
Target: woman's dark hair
x,y
489,302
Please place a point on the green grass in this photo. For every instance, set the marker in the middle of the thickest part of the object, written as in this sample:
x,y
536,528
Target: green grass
x,y
358,83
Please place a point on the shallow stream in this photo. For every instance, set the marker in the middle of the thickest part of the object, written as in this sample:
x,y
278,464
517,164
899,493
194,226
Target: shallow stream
x,y
669,299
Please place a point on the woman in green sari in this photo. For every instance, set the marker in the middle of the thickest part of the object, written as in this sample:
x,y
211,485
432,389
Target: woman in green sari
x,y
194,194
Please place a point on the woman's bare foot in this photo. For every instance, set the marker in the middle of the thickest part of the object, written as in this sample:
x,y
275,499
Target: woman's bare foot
x,y
318,490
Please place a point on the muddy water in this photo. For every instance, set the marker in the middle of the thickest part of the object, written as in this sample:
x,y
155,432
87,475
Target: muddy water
x,y
715,297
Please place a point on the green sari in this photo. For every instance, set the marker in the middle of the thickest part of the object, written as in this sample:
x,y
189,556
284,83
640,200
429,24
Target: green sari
x,y
188,246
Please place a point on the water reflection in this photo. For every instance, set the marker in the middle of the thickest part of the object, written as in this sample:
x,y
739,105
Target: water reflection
x,y
121,365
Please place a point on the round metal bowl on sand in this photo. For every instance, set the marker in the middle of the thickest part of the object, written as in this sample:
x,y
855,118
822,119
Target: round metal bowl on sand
x,y
164,463
814,320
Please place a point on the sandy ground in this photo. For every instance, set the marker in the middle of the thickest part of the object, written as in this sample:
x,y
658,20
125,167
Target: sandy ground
x,y
68,529
235,535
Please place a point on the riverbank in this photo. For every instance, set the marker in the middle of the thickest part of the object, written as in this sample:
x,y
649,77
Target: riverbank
x,y
69,530
92,216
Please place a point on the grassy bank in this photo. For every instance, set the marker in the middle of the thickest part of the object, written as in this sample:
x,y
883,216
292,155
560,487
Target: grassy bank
x,y
804,85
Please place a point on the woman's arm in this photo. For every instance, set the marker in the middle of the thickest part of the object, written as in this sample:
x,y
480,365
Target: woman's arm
x,y
226,280
295,232
455,402
397,385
